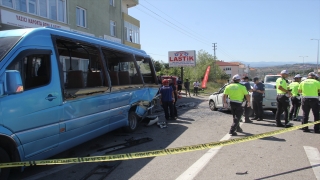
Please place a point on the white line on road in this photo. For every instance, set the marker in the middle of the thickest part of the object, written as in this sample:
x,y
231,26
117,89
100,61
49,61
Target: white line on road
x,y
314,158
196,167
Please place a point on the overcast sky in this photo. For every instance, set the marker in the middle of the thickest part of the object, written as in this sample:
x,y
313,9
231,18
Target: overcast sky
x,y
244,30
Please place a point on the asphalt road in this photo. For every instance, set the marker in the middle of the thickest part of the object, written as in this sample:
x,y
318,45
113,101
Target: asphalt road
x,y
280,157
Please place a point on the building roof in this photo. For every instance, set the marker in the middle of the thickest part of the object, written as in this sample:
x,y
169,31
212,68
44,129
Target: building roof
x,y
237,63
222,63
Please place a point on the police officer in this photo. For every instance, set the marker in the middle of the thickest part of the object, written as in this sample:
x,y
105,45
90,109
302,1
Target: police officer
x,y
283,94
236,92
246,109
295,98
309,90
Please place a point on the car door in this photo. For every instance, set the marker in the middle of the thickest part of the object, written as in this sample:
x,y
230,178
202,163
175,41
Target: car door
x,y
33,115
220,97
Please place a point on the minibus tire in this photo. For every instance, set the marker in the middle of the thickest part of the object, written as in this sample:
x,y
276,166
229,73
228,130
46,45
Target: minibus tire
x,y
132,121
4,157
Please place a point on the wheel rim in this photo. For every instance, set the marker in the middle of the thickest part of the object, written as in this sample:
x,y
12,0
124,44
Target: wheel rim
x,y
211,104
133,122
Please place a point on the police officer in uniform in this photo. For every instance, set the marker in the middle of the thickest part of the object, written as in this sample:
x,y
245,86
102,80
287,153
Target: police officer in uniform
x,y
309,90
236,92
246,109
295,98
283,94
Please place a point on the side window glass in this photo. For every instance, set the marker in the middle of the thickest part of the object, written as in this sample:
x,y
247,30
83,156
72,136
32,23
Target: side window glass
x,y
35,70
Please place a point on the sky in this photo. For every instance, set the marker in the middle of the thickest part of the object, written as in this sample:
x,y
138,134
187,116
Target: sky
x,y
244,30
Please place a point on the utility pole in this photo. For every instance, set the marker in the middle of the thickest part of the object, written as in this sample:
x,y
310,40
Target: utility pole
x,y
214,59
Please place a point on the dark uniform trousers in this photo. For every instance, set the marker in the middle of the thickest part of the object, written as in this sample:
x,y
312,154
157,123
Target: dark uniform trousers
x,y
166,105
257,106
296,103
175,111
247,111
283,105
237,111
307,104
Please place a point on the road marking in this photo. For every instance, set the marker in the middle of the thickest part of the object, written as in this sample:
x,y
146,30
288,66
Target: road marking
x,y
196,167
314,159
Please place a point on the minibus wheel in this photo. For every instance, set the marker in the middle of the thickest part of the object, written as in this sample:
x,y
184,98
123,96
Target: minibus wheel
x,y
132,122
4,157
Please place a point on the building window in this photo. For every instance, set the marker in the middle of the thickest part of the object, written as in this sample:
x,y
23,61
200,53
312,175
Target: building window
x,y
81,17
113,28
112,3
21,5
132,33
32,6
7,3
43,8
51,9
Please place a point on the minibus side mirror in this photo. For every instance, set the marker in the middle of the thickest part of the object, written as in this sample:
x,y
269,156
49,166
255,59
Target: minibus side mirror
x,y
13,82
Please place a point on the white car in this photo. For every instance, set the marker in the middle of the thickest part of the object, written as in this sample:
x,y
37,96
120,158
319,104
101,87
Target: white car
x,y
216,99
269,98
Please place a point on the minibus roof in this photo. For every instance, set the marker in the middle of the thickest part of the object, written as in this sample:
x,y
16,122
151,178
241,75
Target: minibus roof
x,y
76,36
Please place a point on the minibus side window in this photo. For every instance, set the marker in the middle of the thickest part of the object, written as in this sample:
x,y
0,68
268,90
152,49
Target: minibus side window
x,y
35,70
121,68
81,69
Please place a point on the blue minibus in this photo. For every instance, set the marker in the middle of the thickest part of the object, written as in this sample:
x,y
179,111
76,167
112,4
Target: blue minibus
x,y
59,89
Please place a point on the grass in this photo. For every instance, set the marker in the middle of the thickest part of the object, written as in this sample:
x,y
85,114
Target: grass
x,y
211,88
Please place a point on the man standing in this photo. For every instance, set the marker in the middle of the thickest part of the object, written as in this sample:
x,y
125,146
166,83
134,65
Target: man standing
x,y
283,94
236,92
195,88
179,82
246,109
167,98
309,90
295,98
257,99
187,86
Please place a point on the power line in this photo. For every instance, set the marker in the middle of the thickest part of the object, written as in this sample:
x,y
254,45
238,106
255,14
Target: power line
x,y
202,37
191,35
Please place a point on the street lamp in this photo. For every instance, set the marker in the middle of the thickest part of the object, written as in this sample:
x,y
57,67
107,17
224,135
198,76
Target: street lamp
x,y
317,54
303,64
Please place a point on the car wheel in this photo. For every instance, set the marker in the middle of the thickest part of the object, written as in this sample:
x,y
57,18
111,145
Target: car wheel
x,y
212,105
132,122
4,157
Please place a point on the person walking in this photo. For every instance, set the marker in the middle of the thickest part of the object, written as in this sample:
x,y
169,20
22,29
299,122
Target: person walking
x,y
236,92
187,87
295,98
167,98
175,93
283,94
247,110
257,99
309,90
179,82
195,88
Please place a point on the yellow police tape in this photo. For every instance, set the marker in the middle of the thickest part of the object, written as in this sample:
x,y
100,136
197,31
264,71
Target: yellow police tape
x,y
153,153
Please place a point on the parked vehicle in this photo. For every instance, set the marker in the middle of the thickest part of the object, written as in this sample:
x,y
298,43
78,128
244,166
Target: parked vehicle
x,y
59,89
269,99
216,100
271,79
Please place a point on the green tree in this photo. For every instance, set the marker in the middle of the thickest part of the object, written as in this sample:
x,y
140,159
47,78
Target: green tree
x,y
157,66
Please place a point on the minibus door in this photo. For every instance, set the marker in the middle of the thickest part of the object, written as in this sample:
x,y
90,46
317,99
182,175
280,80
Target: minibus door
x,y
33,115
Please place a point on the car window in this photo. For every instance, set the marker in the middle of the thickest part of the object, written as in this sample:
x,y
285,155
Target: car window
x,y
269,86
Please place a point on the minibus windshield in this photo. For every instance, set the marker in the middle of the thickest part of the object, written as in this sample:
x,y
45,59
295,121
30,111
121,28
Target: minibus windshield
x,y
6,43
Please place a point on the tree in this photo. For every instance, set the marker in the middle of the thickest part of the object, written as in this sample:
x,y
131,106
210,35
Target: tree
x,y
157,66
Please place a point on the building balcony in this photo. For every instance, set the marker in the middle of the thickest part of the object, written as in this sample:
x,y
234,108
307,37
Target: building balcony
x,y
130,3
